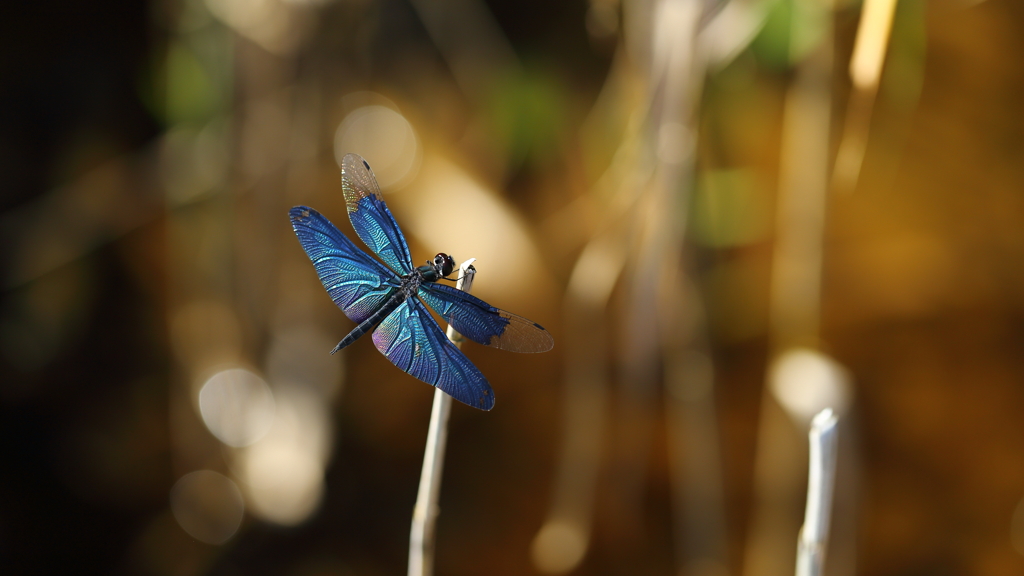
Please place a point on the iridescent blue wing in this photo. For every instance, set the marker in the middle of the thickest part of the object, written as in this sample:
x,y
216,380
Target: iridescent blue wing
x,y
370,216
483,323
356,282
412,340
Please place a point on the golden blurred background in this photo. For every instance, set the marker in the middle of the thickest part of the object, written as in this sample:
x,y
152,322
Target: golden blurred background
x,y
729,213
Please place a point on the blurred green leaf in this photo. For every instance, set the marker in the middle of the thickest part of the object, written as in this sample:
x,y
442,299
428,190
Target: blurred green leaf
x,y
903,74
528,114
191,82
190,92
793,29
771,45
729,209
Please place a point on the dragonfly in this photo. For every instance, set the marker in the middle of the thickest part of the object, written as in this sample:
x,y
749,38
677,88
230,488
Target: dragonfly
x,y
391,298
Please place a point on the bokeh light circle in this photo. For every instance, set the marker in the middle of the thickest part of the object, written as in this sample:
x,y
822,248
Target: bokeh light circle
x,y
384,138
559,547
237,406
283,485
806,382
207,505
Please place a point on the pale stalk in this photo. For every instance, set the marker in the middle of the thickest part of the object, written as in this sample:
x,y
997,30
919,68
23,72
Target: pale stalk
x,y
810,555
424,514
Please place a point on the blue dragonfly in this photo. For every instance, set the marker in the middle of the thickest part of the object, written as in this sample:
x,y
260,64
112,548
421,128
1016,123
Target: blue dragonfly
x,y
389,298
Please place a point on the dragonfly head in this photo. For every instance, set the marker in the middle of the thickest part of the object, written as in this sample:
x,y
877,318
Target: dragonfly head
x,y
444,264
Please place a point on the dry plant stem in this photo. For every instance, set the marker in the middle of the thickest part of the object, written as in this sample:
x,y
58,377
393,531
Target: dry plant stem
x,y
424,514
810,556
873,35
562,542
795,305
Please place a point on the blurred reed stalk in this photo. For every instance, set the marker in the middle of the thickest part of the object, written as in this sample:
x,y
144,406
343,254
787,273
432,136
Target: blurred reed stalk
x,y
644,195
698,502
563,539
424,514
795,304
821,475
869,49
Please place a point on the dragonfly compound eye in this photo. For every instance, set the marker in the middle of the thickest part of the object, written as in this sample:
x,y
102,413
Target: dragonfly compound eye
x,y
444,263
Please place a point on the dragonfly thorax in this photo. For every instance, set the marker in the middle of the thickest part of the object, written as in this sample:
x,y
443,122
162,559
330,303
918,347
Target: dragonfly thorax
x,y
440,267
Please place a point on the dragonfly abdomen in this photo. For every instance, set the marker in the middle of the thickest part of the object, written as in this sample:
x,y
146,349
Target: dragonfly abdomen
x,y
401,295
